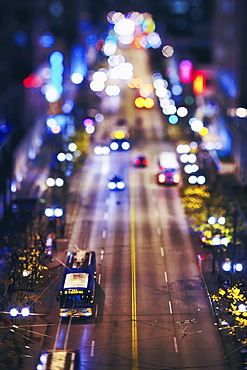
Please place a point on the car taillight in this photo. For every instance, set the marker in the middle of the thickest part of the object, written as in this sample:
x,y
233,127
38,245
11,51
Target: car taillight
x,y
145,162
137,161
176,179
161,178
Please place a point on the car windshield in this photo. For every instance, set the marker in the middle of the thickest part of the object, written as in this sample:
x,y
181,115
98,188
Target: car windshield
x,y
116,178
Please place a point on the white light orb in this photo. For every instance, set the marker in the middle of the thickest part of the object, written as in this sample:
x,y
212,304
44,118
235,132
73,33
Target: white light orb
x,y
50,182
124,27
59,182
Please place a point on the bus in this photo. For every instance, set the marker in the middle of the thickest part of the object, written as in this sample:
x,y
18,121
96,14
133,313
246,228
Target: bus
x,y
77,291
169,170
59,359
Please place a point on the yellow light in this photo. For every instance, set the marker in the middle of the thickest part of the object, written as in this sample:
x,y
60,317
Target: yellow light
x,y
199,82
119,134
149,25
139,102
135,82
204,131
148,103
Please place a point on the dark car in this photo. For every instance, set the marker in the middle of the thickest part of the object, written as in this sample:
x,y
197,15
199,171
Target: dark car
x,y
120,144
116,182
141,161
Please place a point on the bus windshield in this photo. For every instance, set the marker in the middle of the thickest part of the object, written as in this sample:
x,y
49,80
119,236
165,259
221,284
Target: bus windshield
x,y
74,300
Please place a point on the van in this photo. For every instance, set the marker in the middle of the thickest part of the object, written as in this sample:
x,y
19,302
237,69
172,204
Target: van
x,y
169,170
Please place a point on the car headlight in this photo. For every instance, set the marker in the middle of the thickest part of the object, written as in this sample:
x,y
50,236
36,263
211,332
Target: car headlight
x,y
120,185
111,185
125,145
105,150
114,145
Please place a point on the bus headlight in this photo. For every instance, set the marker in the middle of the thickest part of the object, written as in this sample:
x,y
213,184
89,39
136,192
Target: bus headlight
x,y
63,314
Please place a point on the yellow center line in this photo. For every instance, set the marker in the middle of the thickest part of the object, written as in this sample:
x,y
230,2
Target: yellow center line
x,y
133,278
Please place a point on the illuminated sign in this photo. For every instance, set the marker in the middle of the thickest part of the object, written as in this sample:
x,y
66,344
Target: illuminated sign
x,y
185,71
72,291
76,280
199,82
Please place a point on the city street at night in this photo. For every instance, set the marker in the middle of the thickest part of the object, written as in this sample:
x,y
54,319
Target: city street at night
x,y
123,187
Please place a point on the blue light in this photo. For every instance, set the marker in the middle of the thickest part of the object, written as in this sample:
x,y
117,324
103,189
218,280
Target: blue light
x,y
78,64
177,89
20,38
91,40
57,69
56,57
4,128
173,119
47,40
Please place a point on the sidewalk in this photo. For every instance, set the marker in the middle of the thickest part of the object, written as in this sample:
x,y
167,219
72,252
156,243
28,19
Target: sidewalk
x,y
33,328
230,344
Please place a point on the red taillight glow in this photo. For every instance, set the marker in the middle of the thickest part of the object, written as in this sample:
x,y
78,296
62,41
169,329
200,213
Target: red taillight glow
x,y
137,161
145,162
161,178
176,179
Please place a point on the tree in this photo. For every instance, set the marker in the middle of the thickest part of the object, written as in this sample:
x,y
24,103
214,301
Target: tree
x,y
231,308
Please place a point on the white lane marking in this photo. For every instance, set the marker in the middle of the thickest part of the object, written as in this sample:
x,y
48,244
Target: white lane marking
x,y
102,254
92,349
170,307
175,344
158,230
106,216
96,310
162,252
67,334
104,234
99,279
166,277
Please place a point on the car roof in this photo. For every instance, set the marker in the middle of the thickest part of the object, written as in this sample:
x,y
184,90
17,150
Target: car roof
x,y
116,176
